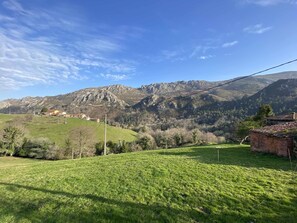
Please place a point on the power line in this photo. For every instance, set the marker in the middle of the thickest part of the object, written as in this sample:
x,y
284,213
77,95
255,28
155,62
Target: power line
x,y
244,77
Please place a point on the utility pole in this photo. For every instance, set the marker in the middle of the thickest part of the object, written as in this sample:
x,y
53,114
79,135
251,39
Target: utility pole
x,y
105,120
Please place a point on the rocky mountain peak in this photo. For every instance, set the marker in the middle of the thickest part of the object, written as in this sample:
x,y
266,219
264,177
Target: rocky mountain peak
x,y
118,88
97,96
161,97
179,86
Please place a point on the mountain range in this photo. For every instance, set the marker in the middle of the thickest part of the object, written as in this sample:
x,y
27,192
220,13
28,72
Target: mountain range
x,y
170,102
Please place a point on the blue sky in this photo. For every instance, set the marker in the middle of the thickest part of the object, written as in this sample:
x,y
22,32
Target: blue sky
x,y
55,47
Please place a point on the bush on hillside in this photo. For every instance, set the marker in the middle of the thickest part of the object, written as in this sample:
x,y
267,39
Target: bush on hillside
x,y
40,148
177,137
161,138
54,153
134,147
99,148
33,148
11,137
146,141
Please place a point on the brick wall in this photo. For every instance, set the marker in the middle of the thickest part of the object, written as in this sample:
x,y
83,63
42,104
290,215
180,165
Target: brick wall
x,y
271,144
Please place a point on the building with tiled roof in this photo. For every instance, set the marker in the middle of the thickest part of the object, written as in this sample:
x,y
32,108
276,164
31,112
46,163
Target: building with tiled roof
x,y
276,139
273,120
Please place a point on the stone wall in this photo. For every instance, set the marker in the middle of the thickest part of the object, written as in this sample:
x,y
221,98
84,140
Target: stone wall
x,y
271,144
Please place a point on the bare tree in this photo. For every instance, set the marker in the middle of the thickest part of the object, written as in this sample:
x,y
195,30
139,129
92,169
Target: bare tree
x,y
83,140
69,150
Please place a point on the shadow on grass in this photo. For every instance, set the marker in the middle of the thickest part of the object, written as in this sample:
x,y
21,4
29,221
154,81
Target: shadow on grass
x,y
233,155
43,205
58,206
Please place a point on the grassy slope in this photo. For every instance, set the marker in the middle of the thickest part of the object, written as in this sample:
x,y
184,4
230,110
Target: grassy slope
x,y
4,118
13,162
178,185
55,129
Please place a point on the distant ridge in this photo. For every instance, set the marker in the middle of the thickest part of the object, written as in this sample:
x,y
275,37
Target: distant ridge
x,y
122,102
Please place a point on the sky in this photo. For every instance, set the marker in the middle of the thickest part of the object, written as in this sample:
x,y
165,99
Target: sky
x,y
51,47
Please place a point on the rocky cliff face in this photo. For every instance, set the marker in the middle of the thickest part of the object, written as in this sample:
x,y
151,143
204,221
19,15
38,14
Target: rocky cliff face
x,y
178,99
95,97
80,101
130,95
176,87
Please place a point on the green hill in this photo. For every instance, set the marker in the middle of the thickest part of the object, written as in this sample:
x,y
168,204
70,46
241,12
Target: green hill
x,y
177,185
6,118
55,129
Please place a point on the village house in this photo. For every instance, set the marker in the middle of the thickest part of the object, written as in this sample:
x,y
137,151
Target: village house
x,y
94,119
53,112
273,120
62,114
80,115
276,139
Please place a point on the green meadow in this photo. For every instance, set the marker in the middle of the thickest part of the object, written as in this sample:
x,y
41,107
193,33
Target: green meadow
x,y
57,129
190,184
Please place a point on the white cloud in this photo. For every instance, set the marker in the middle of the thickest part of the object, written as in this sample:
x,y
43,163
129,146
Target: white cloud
x,y
14,6
115,77
257,29
173,55
45,47
170,54
202,49
5,18
230,44
97,45
201,52
270,2
11,83
206,57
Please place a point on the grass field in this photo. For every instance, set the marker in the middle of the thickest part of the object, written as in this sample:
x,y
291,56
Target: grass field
x,y
177,185
13,162
4,118
54,128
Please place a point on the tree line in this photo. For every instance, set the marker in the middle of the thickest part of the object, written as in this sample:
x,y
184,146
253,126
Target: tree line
x,y
82,142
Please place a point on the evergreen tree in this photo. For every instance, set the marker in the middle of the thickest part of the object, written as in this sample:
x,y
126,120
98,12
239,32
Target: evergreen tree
x,y
12,137
243,128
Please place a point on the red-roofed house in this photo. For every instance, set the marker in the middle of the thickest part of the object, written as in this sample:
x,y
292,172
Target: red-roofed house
x,y
275,139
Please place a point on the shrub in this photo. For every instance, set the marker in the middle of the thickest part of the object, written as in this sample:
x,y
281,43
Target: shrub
x,y
40,148
146,141
12,137
53,152
99,148
159,137
134,147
